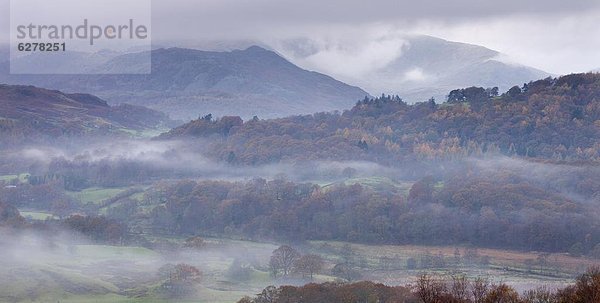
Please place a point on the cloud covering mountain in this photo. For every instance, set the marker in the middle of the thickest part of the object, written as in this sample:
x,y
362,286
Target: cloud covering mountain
x,y
415,67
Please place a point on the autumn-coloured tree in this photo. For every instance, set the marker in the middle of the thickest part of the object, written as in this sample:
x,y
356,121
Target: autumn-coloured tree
x,y
185,272
195,242
547,119
182,279
588,286
61,207
502,293
474,209
432,289
309,265
334,292
97,228
269,295
422,191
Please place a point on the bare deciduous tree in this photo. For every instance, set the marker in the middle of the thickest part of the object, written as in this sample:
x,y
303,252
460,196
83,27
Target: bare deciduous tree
x,y
429,289
459,288
309,265
479,290
283,259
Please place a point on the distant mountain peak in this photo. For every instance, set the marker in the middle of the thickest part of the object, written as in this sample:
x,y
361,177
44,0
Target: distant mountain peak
x,y
187,83
256,48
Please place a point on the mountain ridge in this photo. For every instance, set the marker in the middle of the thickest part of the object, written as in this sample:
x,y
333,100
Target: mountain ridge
x,y
188,83
272,82
30,114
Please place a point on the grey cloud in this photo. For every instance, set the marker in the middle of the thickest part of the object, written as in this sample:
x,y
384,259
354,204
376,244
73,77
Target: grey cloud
x,y
242,19
555,35
543,34
290,11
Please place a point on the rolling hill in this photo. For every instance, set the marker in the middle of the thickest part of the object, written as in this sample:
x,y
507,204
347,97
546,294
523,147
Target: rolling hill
x,y
553,118
31,114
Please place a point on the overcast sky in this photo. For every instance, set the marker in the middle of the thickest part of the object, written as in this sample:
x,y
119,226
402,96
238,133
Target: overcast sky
x,y
557,36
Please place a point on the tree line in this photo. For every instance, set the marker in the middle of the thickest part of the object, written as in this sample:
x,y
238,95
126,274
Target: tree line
x,y
432,289
497,211
553,118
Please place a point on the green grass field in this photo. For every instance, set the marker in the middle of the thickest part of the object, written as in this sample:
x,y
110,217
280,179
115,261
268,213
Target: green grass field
x,y
95,194
21,177
376,184
101,273
34,215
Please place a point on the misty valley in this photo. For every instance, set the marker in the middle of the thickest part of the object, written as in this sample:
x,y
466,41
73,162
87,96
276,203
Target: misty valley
x,y
487,197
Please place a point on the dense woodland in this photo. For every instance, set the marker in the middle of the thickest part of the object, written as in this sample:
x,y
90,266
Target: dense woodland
x,y
502,208
334,292
552,119
491,211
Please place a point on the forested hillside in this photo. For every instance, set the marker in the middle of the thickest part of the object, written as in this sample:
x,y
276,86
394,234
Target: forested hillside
x,y
501,210
555,119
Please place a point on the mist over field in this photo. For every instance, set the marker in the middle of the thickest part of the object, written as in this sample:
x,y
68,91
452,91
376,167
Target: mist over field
x,y
183,158
40,266
289,151
220,208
